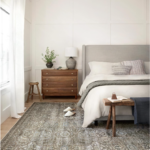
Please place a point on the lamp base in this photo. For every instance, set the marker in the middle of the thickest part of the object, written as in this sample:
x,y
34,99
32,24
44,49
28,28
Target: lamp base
x,y
71,63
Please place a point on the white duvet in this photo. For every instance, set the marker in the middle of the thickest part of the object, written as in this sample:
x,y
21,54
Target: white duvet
x,y
93,104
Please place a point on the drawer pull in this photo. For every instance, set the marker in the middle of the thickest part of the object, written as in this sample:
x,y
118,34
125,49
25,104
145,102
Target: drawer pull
x,y
46,73
46,84
71,90
71,84
71,79
46,90
71,73
46,79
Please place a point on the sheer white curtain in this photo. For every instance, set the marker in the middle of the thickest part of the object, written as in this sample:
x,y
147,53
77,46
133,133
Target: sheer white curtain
x,y
17,57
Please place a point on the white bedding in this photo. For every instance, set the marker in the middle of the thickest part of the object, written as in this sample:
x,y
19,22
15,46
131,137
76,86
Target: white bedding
x,y
93,104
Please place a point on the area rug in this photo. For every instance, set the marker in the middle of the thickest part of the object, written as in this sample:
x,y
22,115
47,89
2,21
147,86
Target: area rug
x,y
44,127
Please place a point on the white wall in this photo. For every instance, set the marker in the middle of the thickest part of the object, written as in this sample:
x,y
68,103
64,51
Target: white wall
x,y
61,23
148,25
27,45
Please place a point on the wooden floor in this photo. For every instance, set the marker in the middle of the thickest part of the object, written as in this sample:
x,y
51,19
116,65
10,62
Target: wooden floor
x,y
10,122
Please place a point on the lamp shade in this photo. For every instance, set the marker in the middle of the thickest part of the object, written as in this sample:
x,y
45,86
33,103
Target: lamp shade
x,y
71,52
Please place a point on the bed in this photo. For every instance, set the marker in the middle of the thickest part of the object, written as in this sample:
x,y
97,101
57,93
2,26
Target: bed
x,y
93,105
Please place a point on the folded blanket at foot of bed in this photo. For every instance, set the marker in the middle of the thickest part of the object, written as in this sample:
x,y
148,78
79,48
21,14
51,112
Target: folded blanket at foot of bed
x,y
110,82
140,110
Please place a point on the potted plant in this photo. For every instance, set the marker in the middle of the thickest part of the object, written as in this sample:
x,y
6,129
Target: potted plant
x,y
49,57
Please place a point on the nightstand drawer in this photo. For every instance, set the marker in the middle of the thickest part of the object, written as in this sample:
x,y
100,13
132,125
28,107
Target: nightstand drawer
x,y
59,73
59,79
59,91
59,84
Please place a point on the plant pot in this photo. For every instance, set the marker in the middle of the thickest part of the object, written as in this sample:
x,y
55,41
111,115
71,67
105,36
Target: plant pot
x,y
49,65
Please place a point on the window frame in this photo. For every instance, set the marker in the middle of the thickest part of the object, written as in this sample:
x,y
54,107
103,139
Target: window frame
x,y
6,84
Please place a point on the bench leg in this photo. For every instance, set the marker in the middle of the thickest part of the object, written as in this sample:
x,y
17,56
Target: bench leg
x,y
43,96
39,92
109,117
114,122
29,94
32,91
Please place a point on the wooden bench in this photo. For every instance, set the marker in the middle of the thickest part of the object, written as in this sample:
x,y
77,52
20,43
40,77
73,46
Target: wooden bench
x,y
127,102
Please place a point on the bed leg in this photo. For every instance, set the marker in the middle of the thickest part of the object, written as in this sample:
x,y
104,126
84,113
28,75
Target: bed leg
x,y
96,123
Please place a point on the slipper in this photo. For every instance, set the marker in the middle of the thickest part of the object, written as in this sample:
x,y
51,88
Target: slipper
x,y
69,113
68,109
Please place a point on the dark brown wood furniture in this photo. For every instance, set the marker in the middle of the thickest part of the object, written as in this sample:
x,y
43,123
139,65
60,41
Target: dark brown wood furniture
x,y
31,89
127,102
59,82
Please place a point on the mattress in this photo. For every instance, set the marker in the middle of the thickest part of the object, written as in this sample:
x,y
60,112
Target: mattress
x,y
93,104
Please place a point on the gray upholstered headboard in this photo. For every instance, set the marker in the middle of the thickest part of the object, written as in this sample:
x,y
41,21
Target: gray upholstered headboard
x,y
112,53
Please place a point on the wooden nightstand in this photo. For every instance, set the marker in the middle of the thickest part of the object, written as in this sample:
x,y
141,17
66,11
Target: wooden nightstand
x,y
59,82
127,102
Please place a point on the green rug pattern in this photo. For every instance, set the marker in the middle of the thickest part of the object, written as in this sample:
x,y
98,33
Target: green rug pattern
x,y
44,127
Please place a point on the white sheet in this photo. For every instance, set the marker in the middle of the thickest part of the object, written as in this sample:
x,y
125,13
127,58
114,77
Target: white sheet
x,y
93,104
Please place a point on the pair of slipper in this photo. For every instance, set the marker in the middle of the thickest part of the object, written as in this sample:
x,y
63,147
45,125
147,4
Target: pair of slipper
x,y
69,112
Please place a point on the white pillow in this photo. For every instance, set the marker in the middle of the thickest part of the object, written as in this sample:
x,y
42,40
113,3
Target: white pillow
x,y
121,70
102,67
137,66
147,69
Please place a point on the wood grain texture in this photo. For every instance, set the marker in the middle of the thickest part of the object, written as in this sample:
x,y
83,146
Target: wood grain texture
x,y
127,102
32,90
48,91
39,92
31,93
109,117
59,82
114,121
60,79
59,73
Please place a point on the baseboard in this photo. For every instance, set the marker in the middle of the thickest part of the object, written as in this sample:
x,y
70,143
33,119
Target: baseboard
x,y
5,114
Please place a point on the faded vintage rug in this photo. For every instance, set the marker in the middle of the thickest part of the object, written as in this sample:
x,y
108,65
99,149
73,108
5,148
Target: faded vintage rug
x,y
44,127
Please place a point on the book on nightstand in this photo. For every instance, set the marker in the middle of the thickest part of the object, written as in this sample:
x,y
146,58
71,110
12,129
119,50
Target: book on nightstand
x,y
119,99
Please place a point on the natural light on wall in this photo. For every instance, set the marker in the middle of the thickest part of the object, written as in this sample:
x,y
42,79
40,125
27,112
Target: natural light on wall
x,y
4,46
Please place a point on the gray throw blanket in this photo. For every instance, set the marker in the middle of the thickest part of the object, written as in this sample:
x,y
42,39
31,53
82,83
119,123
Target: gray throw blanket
x,y
140,110
110,82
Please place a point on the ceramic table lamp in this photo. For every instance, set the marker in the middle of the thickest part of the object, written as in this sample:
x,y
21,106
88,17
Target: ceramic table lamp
x,y
71,52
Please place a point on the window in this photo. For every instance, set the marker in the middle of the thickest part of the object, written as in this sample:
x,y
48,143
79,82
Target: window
x,y
4,46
